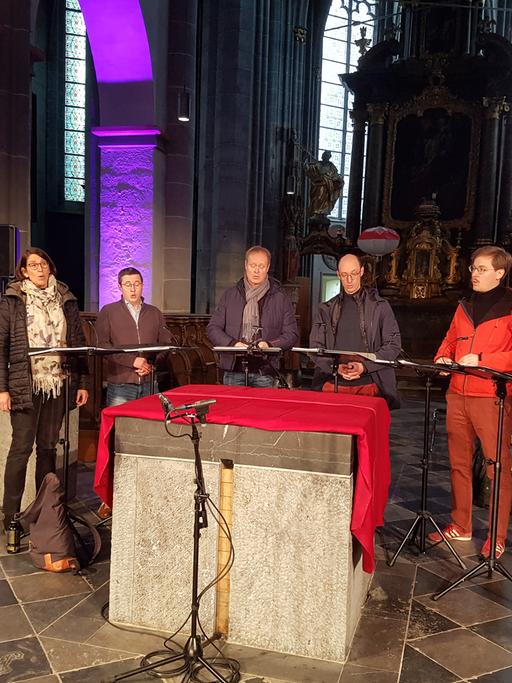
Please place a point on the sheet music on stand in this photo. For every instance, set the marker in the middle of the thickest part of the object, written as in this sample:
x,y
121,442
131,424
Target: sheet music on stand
x,y
272,350
100,351
348,356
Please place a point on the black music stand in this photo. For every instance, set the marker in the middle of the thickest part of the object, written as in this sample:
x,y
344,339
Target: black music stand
x,y
79,351
490,564
337,357
423,515
252,350
191,655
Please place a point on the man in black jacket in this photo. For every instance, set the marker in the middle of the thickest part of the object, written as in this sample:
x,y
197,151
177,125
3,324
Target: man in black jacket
x,y
255,311
356,319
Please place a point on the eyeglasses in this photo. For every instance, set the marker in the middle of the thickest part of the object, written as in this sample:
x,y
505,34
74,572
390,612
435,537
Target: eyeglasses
x,y
131,285
352,275
38,265
481,270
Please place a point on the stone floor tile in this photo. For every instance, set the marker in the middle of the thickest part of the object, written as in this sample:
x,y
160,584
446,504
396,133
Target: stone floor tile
x,y
22,659
19,564
424,621
128,641
465,607
67,656
82,621
503,676
15,624
378,643
97,574
499,591
44,612
498,631
464,652
43,679
281,666
363,674
105,672
47,585
427,582
390,596
7,597
416,668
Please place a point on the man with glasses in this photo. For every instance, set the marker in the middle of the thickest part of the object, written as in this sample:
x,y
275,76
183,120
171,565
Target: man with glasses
x,y
480,334
356,319
130,322
255,311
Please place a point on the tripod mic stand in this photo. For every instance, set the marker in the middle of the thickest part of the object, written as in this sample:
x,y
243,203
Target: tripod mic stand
x,y
423,515
192,659
490,564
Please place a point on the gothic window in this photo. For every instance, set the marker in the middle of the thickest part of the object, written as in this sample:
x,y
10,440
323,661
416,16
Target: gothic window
x,y
348,22
74,103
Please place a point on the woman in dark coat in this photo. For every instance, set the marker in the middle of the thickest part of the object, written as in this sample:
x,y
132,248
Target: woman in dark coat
x,y
36,311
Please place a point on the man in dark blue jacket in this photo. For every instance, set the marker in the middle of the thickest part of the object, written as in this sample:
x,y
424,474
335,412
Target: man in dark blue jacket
x,y
256,311
356,319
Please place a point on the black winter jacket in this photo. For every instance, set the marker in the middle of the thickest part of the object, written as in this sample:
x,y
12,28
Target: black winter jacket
x,y
379,329
15,369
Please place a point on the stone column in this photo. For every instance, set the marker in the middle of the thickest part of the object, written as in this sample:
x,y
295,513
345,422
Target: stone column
x,y
355,187
130,170
15,110
374,166
483,231
505,197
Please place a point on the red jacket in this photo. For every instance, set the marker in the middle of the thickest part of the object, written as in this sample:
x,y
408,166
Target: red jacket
x,y
491,340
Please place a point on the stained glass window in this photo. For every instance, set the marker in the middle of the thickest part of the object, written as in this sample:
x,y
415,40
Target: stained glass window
x,y
74,103
340,55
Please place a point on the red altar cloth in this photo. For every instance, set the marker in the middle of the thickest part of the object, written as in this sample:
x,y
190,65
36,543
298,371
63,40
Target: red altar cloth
x,y
277,409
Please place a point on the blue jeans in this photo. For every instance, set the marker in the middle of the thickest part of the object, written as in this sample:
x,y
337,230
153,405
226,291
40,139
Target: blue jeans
x,y
117,394
237,379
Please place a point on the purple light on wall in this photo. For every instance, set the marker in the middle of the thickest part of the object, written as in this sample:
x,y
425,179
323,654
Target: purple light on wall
x,y
123,131
126,216
118,40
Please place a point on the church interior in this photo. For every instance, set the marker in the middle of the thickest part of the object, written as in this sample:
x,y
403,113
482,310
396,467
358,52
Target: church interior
x,y
170,136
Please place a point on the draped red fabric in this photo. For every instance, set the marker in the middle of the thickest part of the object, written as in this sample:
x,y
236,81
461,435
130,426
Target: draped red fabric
x,y
277,409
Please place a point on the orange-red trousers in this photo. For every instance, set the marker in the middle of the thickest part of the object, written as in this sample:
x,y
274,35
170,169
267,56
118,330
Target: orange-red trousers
x,y
469,417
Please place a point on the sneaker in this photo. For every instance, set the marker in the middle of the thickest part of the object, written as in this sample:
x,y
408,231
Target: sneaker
x,y
486,549
452,532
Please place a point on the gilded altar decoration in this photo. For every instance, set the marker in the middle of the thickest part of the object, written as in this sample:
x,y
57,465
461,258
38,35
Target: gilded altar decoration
x,y
426,264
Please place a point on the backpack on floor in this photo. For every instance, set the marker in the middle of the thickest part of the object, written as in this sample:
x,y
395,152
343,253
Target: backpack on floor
x,y
52,536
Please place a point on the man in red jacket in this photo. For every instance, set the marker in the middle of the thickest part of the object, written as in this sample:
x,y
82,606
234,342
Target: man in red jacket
x,y
480,334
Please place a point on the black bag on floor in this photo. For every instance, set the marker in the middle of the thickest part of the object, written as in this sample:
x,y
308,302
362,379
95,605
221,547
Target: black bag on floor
x,y
52,536
481,482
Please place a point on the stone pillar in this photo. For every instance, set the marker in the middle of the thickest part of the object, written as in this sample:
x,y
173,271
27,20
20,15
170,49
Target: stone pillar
x,y
179,245
374,166
355,187
15,107
484,228
130,230
505,197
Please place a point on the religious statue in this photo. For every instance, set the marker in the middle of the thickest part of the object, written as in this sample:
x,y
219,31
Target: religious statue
x,y
326,184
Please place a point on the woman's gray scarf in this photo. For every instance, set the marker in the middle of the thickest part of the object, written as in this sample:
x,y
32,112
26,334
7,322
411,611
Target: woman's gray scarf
x,y
46,327
251,316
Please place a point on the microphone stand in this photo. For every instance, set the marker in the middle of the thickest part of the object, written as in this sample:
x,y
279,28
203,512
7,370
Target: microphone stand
x,y
192,659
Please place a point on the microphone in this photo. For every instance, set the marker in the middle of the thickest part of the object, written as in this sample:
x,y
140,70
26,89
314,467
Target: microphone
x,y
194,406
166,405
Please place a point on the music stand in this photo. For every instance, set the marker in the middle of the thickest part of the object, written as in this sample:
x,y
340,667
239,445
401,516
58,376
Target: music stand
x,y
423,515
192,656
490,564
336,357
78,351
254,351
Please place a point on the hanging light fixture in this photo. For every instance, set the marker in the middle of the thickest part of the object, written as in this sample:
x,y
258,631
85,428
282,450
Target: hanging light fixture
x,y
291,184
184,105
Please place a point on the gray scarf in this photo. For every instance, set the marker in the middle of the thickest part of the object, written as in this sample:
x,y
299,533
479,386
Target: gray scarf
x,y
46,327
251,316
